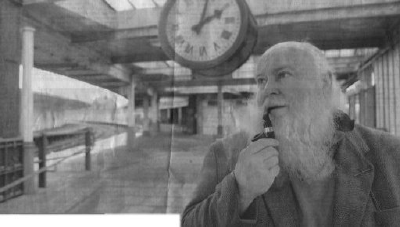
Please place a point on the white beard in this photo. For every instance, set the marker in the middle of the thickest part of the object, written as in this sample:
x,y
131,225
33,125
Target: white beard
x,y
305,140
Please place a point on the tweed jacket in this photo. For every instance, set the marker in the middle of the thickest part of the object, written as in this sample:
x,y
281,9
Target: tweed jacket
x,y
367,186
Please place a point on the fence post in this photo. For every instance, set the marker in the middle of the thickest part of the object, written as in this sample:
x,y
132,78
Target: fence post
x,y
88,144
42,160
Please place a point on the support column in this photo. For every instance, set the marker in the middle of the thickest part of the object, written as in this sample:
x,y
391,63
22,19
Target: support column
x,y
180,116
199,114
146,118
220,129
154,113
131,116
169,115
27,107
179,126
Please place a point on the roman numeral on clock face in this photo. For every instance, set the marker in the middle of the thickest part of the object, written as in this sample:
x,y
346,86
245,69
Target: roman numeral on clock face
x,y
189,48
216,46
226,34
203,51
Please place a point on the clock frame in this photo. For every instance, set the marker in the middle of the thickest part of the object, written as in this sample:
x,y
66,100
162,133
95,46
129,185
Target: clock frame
x,y
238,58
208,65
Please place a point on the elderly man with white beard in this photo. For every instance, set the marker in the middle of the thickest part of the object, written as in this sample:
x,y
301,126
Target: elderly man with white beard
x,y
320,170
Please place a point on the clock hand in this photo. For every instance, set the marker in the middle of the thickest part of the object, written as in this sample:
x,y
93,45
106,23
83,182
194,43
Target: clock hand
x,y
195,27
203,14
217,14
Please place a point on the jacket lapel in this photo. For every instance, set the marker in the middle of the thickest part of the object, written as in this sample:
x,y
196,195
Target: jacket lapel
x,y
354,175
353,178
281,205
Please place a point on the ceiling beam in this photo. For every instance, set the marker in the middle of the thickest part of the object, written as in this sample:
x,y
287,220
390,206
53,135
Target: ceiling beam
x,y
134,33
258,7
345,70
78,71
323,44
97,11
30,2
58,66
138,18
159,85
170,71
342,62
278,12
146,27
353,43
157,54
202,82
59,47
94,77
112,84
345,12
143,23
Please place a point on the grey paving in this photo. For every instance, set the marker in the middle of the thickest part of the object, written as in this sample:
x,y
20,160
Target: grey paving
x,y
156,175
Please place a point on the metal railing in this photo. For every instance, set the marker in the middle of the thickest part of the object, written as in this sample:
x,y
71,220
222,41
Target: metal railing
x,y
12,161
11,167
42,143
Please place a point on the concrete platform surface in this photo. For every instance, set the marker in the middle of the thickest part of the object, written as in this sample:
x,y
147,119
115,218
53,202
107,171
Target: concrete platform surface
x,y
156,175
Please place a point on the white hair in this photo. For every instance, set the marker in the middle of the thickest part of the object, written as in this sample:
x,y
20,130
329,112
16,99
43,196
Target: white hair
x,y
305,137
321,63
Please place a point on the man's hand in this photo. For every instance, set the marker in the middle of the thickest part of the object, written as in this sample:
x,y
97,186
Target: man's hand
x,y
256,169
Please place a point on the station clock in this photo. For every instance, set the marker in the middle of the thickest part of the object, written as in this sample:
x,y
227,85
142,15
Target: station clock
x,y
211,37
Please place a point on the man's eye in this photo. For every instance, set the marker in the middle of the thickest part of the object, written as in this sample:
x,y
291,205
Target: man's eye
x,y
261,81
283,74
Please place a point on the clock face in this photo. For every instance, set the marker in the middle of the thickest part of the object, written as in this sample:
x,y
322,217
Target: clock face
x,y
203,33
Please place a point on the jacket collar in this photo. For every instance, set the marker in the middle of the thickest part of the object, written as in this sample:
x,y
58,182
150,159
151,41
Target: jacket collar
x,y
353,180
354,175
343,122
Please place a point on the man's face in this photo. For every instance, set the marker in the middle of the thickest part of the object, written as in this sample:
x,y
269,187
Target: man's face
x,y
287,78
292,90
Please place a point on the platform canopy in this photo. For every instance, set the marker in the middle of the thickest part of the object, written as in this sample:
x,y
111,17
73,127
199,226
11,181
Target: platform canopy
x,y
108,43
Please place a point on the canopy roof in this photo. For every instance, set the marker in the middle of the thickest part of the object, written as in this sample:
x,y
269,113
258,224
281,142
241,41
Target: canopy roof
x,y
108,43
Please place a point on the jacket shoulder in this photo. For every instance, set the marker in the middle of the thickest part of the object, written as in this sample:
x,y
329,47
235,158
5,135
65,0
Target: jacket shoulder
x,y
379,141
384,154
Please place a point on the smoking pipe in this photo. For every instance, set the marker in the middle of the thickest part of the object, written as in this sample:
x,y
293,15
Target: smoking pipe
x,y
268,129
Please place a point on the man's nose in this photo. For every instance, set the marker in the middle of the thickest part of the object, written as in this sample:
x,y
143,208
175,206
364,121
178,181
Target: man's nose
x,y
270,88
267,90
